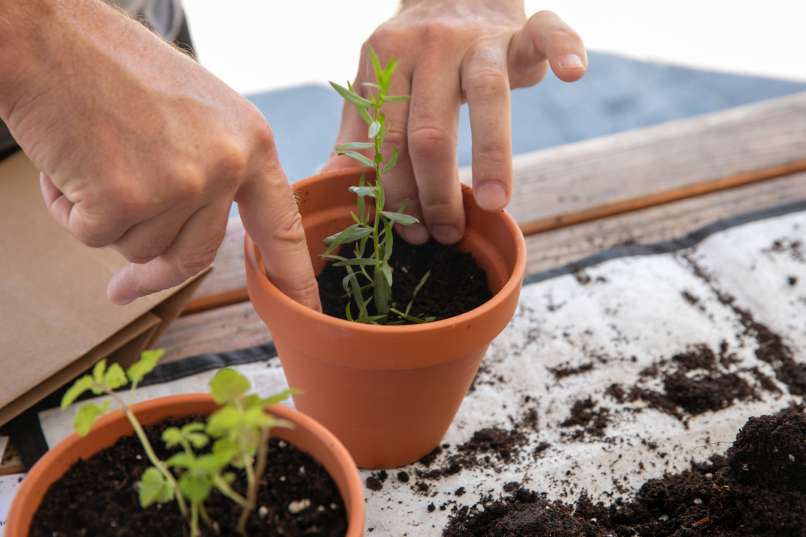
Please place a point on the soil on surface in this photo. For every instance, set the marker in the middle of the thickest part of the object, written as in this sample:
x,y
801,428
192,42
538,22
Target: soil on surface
x,y
455,285
758,489
98,497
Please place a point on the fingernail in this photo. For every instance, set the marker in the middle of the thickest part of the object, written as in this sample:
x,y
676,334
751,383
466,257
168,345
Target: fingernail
x,y
446,234
491,196
570,61
414,234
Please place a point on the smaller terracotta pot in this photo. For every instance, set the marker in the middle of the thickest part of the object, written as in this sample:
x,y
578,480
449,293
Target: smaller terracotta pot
x,y
307,435
388,392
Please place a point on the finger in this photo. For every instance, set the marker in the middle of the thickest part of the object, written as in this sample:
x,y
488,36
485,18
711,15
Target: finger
x,y
57,203
193,250
399,184
432,135
546,37
271,217
150,239
486,86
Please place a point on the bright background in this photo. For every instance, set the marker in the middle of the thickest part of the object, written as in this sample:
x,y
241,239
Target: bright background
x,y
256,45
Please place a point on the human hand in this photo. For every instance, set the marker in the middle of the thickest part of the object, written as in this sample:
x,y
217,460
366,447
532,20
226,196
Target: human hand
x,y
143,149
450,52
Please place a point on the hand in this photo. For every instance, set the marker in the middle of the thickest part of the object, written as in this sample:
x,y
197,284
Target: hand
x,y
142,149
452,51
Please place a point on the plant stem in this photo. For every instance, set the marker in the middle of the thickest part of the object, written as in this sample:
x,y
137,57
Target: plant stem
x,y
194,520
224,488
149,450
257,475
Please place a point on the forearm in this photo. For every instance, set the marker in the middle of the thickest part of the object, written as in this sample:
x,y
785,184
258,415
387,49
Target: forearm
x,y
43,40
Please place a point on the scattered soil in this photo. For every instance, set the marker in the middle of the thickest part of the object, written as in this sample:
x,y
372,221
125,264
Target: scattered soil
x,y
694,382
587,419
455,285
758,489
98,497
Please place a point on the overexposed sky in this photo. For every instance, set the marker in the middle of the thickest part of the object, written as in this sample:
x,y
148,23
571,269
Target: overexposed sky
x,y
256,45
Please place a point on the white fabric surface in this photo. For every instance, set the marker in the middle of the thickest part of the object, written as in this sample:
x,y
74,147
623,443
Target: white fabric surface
x,y
632,307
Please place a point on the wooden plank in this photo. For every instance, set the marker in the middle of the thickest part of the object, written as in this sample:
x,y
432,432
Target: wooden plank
x,y
613,175
634,164
238,326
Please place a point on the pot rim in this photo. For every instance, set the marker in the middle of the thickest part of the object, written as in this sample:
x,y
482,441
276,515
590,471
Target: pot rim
x,y
355,511
254,263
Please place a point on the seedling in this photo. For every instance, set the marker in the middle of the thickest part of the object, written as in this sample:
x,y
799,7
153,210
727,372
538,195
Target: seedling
x,y
369,278
235,437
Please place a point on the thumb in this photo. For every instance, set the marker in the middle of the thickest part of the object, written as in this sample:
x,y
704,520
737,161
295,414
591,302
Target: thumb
x,y
270,215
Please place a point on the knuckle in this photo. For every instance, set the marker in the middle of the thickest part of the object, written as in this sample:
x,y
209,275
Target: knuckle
x,y
493,154
395,136
288,226
486,83
429,141
435,32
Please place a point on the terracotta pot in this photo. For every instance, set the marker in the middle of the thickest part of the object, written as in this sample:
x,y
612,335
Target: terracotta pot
x,y
388,392
308,436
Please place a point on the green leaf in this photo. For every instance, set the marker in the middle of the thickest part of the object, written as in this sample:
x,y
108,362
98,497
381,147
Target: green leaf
x,y
387,272
382,291
359,157
153,488
365,115
115,377
421,283
194,427
256,417
350,234
400,218
371,85
147,362
341,148
172,437
198,440
374,129
182,460
392,162
228,385
225,448
223,421
87,416
196,488
376,64
279,397
75,391
396,98
353,262
351,96
362,191
98,372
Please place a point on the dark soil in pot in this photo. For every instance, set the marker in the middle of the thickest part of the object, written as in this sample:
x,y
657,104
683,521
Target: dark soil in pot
x,y
455,285
758,489
98,497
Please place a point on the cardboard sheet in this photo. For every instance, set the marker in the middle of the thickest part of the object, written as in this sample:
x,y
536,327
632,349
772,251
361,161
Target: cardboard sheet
x,y
55,319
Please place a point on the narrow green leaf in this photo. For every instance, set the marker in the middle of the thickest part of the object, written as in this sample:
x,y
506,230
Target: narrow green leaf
x,y
421,283
228,385
387,273
374,129
279,397
392,162
400,218
350,234
153,488
351,96
115,377
362,191
371,85
365,115
396,98
376,64
87,416
359,158
341,148
147,362
75,391
388,240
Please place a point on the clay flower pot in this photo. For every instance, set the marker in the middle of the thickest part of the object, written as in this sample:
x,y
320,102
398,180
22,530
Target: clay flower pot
x,y
307,435
388,393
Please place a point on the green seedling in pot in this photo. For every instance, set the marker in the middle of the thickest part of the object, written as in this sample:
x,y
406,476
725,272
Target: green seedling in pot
x,y
369,275
234,438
